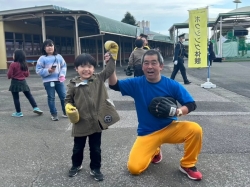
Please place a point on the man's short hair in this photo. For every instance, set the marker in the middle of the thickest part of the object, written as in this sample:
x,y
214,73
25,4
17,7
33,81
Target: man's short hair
x,y
138,43
152,52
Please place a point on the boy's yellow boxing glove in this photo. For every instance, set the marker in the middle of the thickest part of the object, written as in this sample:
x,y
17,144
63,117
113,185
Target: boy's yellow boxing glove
x,y
72,113
112,47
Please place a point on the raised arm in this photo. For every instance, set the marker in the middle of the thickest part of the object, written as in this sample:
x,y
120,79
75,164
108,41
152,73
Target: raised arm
x,y
113,79
110,67
110,58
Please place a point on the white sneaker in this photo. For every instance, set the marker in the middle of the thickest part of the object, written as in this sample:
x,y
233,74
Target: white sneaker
x,y
64,116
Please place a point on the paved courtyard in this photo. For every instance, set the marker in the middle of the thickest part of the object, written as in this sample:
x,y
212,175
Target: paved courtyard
x,y
35,152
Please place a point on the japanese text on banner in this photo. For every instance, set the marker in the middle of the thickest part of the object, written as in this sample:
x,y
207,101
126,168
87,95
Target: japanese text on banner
x,y
198,35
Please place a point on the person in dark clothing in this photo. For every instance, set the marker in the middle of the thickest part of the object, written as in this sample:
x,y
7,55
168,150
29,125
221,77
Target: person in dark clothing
x,y
144,38
179,54
18,72
211,52
135,58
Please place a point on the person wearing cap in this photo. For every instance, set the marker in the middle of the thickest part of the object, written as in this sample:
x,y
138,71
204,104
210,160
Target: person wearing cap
x,y
179,54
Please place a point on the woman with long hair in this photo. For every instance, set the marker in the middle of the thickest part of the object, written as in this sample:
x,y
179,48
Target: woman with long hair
x,y
18,71
52,68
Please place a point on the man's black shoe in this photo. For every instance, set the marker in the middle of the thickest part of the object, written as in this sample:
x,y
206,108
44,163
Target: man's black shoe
x,y
96,173
74,170
188,82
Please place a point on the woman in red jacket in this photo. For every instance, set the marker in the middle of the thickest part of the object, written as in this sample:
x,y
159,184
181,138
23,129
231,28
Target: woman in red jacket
x,y
18,71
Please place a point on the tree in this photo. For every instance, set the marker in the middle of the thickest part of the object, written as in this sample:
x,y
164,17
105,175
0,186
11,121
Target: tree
x,y
129,19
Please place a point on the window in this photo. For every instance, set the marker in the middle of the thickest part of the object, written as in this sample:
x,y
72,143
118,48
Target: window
x,y
58,44
31,43
51,38
92,47
18,41
36,44
68,45
28,49
9,43
127,47
63,45
99,46
83,46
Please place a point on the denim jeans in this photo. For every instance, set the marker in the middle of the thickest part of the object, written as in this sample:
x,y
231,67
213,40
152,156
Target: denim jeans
x,y
94,148
61,91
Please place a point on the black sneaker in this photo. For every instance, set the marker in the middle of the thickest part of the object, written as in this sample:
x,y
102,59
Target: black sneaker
x,y
96,173
188,82
74,170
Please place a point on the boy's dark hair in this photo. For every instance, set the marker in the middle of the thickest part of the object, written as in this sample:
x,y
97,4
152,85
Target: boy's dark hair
x,y
139,43
144,36
153,52
84,59
48,42
19,56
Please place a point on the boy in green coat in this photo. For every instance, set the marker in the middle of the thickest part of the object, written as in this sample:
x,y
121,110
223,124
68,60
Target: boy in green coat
x,y
87,94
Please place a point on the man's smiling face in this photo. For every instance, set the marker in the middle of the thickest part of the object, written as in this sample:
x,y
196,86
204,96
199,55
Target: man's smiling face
x,y
152,68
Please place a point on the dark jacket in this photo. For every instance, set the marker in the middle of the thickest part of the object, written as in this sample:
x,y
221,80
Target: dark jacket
x,y
92,101
179,51
211,51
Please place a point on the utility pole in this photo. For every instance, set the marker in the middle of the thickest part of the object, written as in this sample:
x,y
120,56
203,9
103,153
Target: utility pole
x,y
237,2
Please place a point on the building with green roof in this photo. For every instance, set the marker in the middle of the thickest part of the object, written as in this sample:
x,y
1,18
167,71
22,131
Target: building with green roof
x,y
230,34
73,31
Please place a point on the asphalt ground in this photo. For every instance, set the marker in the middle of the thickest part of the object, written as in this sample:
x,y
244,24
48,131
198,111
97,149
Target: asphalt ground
x,y
34,151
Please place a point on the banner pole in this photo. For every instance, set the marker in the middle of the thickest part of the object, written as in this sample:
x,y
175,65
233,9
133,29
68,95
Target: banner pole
x,y
208,69
208,84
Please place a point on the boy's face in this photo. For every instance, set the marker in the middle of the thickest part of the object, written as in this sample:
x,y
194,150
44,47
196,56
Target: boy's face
x,y
85,71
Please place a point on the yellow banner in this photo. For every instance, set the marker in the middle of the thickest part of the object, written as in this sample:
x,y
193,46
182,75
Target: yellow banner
x,y
198,38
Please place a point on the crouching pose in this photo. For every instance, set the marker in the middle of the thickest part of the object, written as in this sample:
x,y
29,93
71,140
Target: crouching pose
x,y
158,119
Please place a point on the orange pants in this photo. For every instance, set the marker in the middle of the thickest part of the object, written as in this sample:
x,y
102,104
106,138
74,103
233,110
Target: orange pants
x,y
146,147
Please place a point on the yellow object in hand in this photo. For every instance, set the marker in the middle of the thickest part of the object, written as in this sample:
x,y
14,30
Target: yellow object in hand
x,y
112,47
72,113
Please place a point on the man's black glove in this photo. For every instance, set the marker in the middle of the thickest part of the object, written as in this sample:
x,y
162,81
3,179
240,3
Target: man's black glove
x,y
129,71
163,107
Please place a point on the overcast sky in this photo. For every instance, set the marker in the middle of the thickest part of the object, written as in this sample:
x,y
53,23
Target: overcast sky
x,y
160,13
